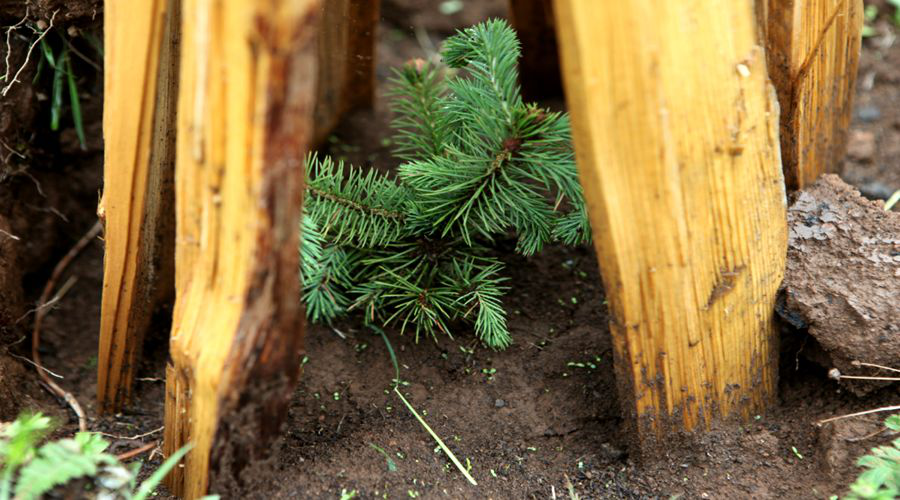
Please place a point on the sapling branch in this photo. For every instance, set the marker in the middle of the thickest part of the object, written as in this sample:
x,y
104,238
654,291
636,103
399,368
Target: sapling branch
x,y
478,163
357,206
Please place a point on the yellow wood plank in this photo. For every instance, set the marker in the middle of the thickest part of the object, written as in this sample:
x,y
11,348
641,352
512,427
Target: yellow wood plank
x,y
138,119
676,138
248,72
812,48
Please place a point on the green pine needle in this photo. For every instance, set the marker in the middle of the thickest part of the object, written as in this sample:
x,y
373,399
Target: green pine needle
x,y
422,129
354,207
479,165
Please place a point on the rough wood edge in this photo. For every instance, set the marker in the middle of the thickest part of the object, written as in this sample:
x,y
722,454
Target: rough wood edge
x,y
813,48
138,199
237,329
676,130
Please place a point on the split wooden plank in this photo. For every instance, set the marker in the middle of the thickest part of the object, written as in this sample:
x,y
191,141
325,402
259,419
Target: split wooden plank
x,y
813,47
140,88
346,61
248,73
676,137
539,67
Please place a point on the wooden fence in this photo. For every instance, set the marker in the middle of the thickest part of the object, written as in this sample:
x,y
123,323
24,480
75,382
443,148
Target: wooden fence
x,y
684,146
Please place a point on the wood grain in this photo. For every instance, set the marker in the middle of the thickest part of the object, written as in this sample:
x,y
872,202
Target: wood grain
x,y
813,47
140,88
248,73
346,46
676,138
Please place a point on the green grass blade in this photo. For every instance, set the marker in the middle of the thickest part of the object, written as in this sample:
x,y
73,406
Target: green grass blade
x,y
6,483
390,349
889,204
56,100
37,73
48,53
147,486
412,410
95,42
437,438
391,465
75,102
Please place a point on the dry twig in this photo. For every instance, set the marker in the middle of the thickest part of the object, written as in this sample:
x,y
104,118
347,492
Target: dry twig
x,y
39,319
859,414
27,56
836,374
873,365
39,367
52,302
10,235
9,32
137,451
133,438
867,436
83,57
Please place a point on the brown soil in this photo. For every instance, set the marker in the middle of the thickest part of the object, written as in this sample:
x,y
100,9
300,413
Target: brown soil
x,y
525,419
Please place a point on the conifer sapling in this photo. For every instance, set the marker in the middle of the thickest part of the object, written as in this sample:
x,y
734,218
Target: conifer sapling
x,y
478,164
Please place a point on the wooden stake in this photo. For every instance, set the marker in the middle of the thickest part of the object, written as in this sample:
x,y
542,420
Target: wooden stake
x,y
812,48
676,138
244,124
346,61
140,86
539,67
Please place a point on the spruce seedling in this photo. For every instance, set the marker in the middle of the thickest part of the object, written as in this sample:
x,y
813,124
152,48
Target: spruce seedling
x,y
478,164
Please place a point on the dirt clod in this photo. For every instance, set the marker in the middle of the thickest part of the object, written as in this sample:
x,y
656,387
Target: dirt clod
x,y
837,442
861,145
841,279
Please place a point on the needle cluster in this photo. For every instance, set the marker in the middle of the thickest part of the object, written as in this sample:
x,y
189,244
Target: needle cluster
x,y
478,164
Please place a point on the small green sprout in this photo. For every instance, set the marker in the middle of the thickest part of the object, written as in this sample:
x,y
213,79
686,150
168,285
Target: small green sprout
x,y
391,465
